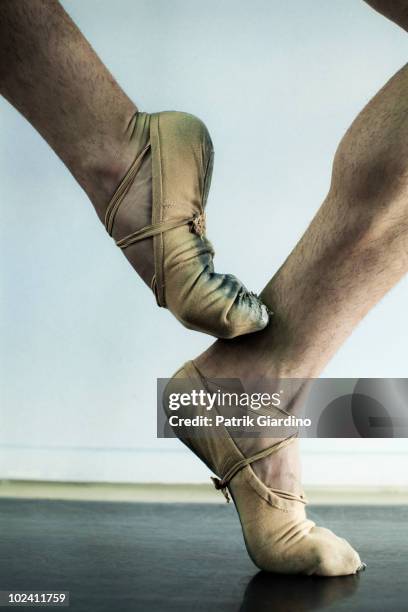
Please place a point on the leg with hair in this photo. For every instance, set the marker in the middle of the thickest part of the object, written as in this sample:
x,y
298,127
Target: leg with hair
x,y
396,10
354,251
50,74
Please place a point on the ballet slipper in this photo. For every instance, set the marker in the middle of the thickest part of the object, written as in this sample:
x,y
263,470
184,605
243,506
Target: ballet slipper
x,y
184,280
278,536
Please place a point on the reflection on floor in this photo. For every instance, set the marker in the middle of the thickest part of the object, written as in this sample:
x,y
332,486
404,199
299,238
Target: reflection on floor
x,y
183,557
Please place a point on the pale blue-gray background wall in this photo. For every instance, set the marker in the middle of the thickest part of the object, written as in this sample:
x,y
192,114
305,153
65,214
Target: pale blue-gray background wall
x,y
81,339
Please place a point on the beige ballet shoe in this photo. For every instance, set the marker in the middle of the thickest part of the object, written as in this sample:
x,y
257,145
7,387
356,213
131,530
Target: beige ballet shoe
x,y
278,536
184,280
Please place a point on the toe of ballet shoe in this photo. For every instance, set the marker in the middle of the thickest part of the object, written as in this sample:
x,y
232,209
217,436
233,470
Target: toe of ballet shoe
x,y
336,557
246,315
222,307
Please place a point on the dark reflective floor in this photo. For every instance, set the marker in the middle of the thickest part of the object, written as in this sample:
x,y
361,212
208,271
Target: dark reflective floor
x,y
179,557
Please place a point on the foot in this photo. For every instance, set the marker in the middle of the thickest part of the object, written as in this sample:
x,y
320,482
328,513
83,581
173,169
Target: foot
x,y
165,195
247,360
136,213
135,209
323,553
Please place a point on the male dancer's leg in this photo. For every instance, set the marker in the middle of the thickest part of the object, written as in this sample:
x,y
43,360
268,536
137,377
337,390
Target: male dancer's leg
x,y
50,73
354,251
52,76
396,10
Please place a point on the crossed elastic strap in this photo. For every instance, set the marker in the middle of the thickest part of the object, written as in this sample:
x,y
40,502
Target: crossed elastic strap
x,y
197,221
222,484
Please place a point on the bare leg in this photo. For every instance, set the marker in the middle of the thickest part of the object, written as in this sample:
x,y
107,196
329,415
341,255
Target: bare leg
x,y
49,72
396,10
51,75
354,251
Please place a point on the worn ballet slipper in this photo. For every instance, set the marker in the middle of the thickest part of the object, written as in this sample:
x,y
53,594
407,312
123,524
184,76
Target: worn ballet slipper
x,y
184,281
278,536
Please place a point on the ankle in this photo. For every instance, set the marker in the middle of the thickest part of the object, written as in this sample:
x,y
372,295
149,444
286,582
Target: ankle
x,y
259,370
101,177
282,471
105,158
252,361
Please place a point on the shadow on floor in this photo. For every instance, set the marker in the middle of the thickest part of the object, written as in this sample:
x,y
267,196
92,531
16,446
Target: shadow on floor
x,y
267,593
